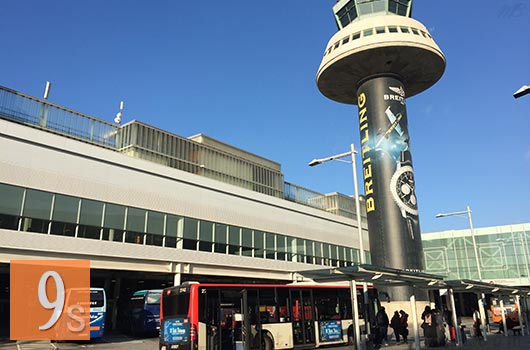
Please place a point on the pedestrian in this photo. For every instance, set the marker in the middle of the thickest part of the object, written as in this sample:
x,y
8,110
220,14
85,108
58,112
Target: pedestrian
x,y
404,319
382,325
395,323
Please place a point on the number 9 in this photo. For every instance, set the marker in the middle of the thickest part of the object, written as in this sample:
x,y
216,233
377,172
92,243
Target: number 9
x,y
56,305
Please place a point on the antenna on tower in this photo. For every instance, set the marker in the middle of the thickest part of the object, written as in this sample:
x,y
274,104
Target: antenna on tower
x,y
117,120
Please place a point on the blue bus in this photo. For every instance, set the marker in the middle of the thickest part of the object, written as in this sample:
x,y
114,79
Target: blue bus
x,y
98,311
143,312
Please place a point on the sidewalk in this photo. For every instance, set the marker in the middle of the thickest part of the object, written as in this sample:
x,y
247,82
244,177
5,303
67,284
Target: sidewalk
x,y
494,342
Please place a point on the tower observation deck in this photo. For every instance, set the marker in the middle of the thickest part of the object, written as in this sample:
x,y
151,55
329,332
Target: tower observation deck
x,y
378,37
380,56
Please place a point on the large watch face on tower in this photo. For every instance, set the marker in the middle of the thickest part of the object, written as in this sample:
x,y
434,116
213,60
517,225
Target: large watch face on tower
x,y
403,189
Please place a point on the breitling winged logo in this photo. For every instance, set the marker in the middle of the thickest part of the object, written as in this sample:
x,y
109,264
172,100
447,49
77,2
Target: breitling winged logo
x,y
398,90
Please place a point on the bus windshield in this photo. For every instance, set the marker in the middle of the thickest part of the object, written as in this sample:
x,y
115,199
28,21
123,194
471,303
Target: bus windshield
x,y
153,297
97,298
177,303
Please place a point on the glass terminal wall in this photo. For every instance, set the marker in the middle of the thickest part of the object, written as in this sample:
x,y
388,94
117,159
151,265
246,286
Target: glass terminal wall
x,y
503,252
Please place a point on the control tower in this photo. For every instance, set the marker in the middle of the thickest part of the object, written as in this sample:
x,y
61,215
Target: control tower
x,y
380,56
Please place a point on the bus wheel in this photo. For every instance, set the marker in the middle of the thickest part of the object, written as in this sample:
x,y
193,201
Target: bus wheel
x,y
268,344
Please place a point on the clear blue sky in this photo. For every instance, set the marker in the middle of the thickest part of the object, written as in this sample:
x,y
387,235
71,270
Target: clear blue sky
x,y
244,72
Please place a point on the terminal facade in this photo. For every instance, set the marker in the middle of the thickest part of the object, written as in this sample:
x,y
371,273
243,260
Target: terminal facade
x,y
151,209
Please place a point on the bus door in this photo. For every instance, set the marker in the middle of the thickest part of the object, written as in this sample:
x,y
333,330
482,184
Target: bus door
x,y
251,327
230,319
210,316
302,317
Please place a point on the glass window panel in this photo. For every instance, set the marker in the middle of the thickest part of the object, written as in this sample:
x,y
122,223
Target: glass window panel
x,y
233,235
38,204
334,252
153,239
342,253
368,32
9,222
246,237
65,208
91,213
206,231
11,199
136,220
155,222
220,233
190,228
280,243
402,10
172,225
85,231
309,248
380,30
318,249
63,229
379,5
392,6
258,239
114,216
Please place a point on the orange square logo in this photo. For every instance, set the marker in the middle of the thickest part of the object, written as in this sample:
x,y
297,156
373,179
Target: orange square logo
x,y
50,300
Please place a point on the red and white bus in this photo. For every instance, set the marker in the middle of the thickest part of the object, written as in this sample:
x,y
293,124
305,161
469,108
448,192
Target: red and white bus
x,y
196,316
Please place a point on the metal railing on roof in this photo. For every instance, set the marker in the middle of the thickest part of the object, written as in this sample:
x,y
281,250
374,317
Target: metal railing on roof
x,y
42,114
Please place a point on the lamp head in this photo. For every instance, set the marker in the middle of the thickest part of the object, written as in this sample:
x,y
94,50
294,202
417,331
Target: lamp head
x,y
314,162
524,90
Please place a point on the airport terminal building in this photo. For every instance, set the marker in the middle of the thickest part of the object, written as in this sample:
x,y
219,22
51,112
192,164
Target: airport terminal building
x,y
149,208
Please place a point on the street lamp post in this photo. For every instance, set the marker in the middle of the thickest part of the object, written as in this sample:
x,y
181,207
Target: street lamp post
x,y
362,259
468,213
477,260
338,157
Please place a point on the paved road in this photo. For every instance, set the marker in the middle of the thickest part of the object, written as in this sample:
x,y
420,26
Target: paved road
x,y
110,341
122,342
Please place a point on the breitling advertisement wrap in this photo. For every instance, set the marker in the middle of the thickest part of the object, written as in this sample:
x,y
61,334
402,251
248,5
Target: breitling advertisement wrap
x,y
389,187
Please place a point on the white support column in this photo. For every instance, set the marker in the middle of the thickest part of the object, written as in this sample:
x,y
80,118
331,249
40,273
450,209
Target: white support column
x,y
455,318
482,316
505,330
355,313
415,328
